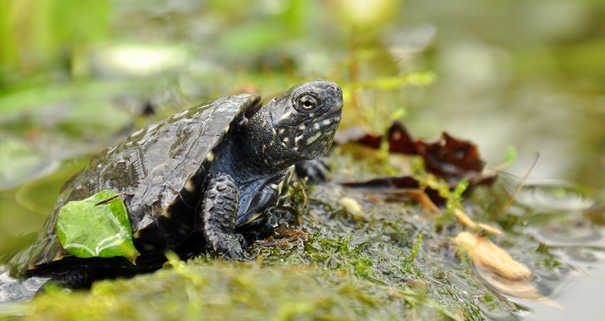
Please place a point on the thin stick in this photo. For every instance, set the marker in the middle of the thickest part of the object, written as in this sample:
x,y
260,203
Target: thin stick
x,y
107,200
518,189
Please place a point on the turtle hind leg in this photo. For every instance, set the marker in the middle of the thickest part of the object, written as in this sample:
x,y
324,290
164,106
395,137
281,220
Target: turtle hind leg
x,y
219,211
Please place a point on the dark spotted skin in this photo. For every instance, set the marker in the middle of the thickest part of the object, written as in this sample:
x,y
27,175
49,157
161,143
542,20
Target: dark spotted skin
x,y
191,181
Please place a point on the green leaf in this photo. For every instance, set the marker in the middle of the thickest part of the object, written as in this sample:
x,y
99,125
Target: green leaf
x,y
96,227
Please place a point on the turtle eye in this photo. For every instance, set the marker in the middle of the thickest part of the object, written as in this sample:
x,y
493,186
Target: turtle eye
x,y
307,102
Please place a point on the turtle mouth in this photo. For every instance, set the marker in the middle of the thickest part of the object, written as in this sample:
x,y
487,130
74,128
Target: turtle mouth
x,y
318,138
329,123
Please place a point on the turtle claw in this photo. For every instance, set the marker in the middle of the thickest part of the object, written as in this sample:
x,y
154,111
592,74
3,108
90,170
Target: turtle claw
x,y
235,253
226,246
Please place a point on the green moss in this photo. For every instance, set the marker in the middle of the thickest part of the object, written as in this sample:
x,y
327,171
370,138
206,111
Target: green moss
x,y
225,291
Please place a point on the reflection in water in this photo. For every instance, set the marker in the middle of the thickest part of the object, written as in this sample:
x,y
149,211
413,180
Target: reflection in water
x,y
12,290
553,196
557,212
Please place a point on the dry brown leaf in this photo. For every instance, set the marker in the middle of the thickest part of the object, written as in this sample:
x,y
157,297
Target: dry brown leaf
x,y
485,253
498,269
352,207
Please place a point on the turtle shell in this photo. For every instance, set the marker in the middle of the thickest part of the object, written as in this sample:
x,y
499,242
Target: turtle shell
x,y
161,170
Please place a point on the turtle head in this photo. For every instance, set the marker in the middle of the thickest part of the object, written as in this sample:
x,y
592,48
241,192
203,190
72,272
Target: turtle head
x,y
305,117
301,123
298,125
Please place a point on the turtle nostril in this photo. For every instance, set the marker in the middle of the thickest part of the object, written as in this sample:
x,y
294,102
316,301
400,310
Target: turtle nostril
x,y
338,90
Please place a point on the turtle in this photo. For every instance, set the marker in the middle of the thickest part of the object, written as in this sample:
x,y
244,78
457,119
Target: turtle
x,y
191,182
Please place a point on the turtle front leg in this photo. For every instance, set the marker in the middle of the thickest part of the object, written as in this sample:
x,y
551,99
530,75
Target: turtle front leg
x,y
315,170
219,211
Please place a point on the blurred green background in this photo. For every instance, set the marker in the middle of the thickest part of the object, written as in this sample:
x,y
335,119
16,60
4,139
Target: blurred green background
x,y
520,73
77,75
